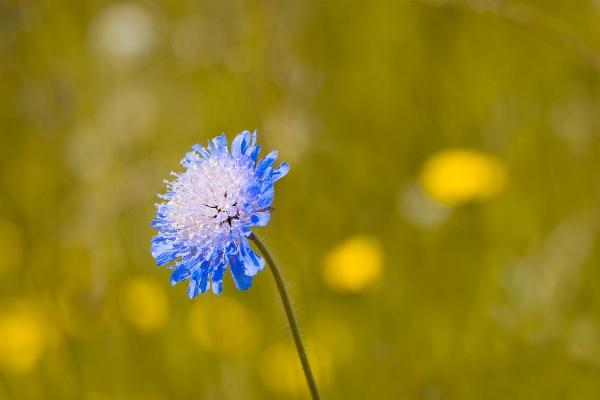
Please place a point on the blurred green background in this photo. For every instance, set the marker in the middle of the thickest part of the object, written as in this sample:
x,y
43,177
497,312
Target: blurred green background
x,y
438,228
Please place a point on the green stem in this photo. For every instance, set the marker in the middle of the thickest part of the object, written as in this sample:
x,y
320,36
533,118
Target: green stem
x,y
285,298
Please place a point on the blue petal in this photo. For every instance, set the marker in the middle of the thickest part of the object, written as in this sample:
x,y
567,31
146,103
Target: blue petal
x,y
240,142
217,286
217,278
158,239
166,196
231,248
160,224
189,158
182,273
268,175
281,171
254,153
260,218
158,248
265,202
165,258
241,280
193,286
265,163
236,145
267,190
221,144
198,282
201,150
249,207
253,263
211,149
252,191
245,142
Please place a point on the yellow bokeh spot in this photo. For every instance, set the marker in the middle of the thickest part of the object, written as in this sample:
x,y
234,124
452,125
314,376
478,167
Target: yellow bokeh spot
x,y
354,265
224,326
11,245
455,177
144,303
23,339
281,370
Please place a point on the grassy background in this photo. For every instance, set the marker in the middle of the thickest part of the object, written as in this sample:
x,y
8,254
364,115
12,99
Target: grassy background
x,y
493,299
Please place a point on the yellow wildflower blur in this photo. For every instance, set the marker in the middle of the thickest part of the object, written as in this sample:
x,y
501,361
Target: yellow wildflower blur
x,y
281,370
354,265
224,326
144,303
11,245
23,339
455,177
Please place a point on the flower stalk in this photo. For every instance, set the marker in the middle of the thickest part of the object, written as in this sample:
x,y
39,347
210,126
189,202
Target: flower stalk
x,y
287,305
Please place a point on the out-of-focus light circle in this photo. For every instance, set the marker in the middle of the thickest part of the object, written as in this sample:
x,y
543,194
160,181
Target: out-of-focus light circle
x,y
122,31
23,339
455,177
354,265
144,303
223,326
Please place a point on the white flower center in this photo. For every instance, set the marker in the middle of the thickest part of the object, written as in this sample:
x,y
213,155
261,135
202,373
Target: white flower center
x,y
208,198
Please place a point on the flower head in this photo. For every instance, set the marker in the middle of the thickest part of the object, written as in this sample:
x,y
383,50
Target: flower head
x,y
208,210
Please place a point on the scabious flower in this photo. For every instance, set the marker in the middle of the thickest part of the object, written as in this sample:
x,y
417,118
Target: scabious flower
x,y
209,209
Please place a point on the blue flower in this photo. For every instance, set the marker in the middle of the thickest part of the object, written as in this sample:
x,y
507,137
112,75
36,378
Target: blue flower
x,y
209,209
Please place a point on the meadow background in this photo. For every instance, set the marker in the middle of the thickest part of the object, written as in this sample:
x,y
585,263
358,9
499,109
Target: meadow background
x,y
438,228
